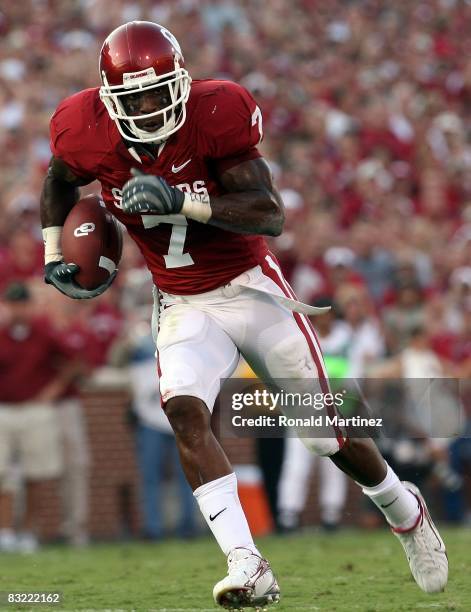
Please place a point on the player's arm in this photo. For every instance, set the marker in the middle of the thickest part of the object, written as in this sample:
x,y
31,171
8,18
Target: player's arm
x,y
251,206
59,194
252,203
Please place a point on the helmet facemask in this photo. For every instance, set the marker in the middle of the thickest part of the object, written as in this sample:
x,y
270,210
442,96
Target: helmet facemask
x,y
172,116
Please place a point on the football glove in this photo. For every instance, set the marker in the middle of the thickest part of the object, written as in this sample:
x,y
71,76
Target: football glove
x,y
150,194
61,275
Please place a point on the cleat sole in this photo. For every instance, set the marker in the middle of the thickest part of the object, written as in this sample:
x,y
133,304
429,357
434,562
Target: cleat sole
x,y
243,598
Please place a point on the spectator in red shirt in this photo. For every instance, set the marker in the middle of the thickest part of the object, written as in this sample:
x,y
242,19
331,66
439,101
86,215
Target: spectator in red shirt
x,y
35,369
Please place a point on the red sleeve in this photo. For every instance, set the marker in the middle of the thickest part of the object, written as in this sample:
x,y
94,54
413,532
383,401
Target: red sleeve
x,y
69,134
230,126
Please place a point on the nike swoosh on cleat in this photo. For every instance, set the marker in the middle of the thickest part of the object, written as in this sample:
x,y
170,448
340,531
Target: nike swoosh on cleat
x,y
211,518
176,169
390,503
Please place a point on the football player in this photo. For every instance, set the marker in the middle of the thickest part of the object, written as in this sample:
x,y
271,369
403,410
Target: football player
x,y
179,166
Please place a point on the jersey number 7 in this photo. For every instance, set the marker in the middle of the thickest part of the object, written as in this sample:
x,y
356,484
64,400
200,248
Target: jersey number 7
x,y
175,257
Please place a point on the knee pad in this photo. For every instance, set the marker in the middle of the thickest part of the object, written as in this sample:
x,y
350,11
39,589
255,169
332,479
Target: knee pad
x,y
289,357
178,379
324,447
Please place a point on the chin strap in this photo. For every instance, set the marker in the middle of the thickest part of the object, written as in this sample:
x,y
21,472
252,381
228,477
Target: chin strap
x,y
133,152
142,151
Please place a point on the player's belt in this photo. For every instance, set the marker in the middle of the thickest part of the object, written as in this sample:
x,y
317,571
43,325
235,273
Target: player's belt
x,y
244,281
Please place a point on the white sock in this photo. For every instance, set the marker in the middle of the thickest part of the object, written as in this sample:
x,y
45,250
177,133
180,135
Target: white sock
x,y
219,502
398,504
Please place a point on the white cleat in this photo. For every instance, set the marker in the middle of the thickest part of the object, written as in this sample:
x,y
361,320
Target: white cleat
x,y
424,548
249,582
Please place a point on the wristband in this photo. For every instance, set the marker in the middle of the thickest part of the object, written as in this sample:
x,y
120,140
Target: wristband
x,y
197,206
52,243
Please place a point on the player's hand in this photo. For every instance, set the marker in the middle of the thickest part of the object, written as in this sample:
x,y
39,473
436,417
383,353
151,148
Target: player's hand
x,y
61,275
150,194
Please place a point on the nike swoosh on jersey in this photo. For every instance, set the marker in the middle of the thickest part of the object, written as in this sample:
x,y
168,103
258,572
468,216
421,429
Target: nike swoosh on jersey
x,y
176,169
211,518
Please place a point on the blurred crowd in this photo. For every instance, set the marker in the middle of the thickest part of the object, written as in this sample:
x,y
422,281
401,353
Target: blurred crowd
x,y
365,126
366,121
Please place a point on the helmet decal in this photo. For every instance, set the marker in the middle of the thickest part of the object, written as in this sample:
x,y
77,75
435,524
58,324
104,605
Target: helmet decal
x,y
133,79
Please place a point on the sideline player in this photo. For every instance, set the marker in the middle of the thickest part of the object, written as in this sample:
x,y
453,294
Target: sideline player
x,y
198,210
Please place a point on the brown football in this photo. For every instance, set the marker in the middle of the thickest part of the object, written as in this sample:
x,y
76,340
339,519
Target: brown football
x,y
92,239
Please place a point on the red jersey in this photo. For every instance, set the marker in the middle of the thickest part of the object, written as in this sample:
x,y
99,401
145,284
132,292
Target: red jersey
x,y
222,129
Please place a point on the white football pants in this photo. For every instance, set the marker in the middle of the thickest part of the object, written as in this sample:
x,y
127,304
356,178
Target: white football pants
x,y
200,338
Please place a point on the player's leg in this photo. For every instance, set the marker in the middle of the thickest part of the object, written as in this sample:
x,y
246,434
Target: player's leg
x,y
361,459
403,507
186,526
194,355
209,473
202,457
277,350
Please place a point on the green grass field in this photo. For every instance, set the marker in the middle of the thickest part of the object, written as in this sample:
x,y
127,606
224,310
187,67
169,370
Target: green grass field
x,y
347,571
